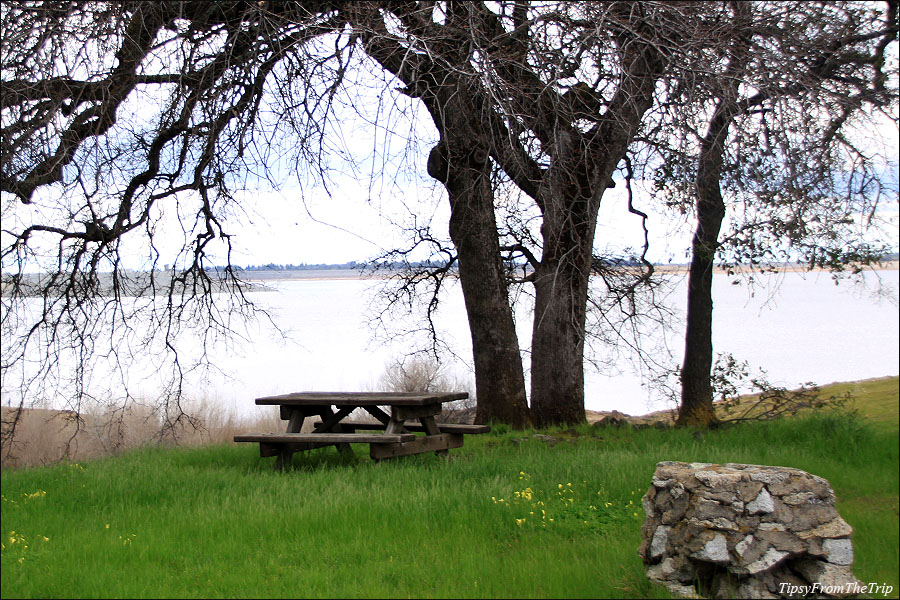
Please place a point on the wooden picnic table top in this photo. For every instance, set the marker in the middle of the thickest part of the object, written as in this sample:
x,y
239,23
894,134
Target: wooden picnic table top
x,y
361,398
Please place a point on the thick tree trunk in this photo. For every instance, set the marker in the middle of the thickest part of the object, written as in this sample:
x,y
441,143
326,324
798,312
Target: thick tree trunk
x,y
696,388
499,378
557,350
561,280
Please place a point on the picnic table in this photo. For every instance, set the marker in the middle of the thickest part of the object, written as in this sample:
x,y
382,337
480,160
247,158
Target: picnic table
x,y
397,419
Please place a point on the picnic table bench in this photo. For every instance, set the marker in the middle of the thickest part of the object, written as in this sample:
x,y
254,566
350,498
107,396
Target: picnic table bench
x,y
389,435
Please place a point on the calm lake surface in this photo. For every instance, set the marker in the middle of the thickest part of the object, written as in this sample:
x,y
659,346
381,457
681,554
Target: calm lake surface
x,y
798,327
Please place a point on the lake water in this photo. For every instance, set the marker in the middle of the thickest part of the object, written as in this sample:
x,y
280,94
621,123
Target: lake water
x,y
799,327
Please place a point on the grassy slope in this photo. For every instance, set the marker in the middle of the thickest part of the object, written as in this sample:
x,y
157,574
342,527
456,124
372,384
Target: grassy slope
x,y
217,521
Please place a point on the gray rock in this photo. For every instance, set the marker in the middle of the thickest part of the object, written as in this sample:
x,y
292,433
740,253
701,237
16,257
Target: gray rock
x,y
761,504
746,531
768,560
714,551
838,552
658,543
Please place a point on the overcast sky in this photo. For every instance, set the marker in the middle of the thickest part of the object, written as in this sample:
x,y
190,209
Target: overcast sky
x,y
368,203
362,215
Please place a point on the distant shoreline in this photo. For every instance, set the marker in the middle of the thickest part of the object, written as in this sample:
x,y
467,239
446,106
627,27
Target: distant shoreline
x,y
355,274
259,278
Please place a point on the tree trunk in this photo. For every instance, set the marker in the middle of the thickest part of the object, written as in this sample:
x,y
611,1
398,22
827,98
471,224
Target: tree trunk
x,y
696,388
561,282
696,408
557,349
499,378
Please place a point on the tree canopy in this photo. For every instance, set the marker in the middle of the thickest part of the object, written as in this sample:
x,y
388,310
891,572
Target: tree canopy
x,y
117,113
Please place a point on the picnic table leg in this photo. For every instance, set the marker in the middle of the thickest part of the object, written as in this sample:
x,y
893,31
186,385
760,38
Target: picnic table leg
x,y
431,428
343,449
284,457
295,424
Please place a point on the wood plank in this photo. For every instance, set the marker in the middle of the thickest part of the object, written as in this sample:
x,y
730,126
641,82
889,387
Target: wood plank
x,y
325,438
379,414
332,420
295,421
273,449
427,443
443,427
286,411
284,459
430,426
402,413
361,398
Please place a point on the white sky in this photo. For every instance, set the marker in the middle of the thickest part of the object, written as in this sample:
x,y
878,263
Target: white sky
x,y
365,208
345,227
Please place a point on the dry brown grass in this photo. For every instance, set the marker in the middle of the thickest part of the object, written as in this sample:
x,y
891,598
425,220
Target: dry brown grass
x,y
36,436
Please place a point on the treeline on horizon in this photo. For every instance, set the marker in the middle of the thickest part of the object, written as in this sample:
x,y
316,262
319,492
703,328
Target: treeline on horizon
x,y
351,265
401,265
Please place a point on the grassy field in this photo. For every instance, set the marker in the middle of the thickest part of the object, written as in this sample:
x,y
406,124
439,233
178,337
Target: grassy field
x,y
511,514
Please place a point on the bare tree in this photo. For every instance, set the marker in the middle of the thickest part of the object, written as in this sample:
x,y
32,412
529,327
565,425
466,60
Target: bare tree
x,y
547,98
435,68
554,95
766,130
113,115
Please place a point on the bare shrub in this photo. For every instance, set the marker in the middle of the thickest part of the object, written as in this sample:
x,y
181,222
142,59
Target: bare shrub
x,y
37,436
740,394
767,401
426,374
418,374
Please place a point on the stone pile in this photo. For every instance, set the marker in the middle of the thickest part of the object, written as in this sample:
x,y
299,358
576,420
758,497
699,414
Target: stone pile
x,y
745,531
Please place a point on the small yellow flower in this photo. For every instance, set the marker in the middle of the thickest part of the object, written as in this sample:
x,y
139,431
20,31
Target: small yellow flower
x,y
560,486
520,521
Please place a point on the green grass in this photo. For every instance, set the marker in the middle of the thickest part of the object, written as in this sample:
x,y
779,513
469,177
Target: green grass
x,y
219,522
874,399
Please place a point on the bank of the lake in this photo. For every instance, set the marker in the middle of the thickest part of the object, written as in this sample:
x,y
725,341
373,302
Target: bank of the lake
x,y
798,327
511,514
